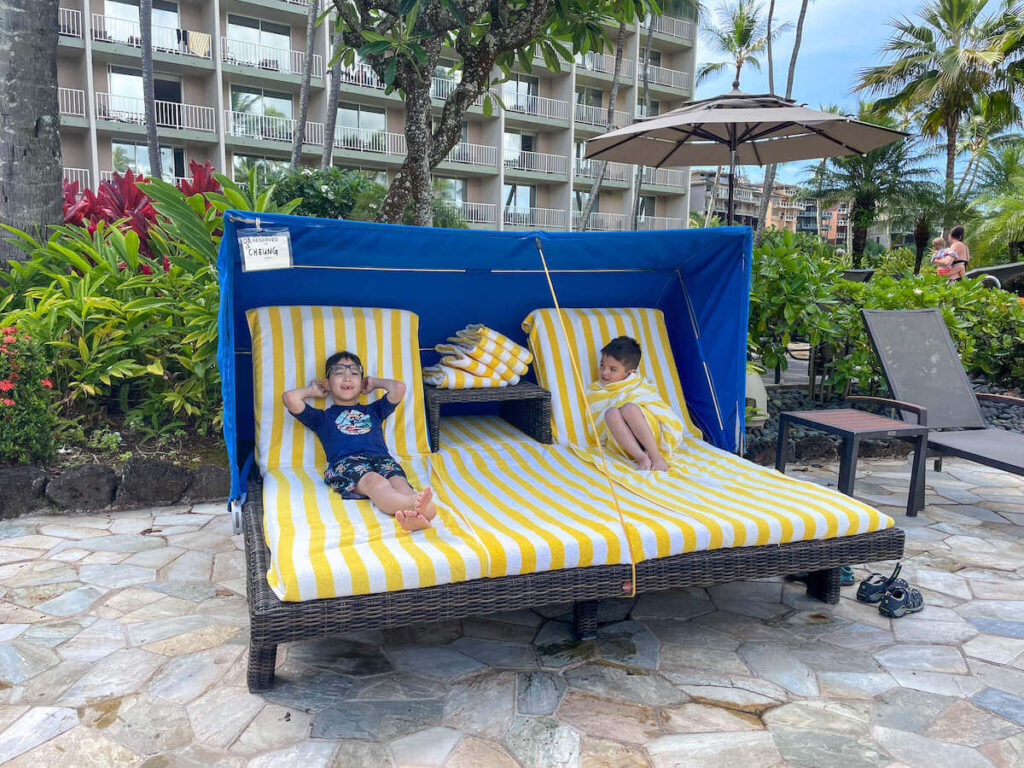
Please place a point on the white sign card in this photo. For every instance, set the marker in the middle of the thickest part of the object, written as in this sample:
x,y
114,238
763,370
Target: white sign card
x,y
265,248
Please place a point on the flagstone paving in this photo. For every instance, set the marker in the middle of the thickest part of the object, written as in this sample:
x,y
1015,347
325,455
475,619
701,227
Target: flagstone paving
x,y
123,643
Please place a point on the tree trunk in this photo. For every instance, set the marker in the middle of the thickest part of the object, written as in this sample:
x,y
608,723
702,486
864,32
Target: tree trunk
x,y
859,230
595,188
148,88
412,182
334,89
768,39
299,134
30,163
951,133
711,198
638,184
922,230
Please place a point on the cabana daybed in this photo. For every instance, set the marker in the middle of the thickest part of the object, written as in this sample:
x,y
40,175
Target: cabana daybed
x,y
521,523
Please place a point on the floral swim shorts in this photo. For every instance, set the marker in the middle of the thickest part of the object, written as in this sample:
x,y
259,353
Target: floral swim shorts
x,y
344,475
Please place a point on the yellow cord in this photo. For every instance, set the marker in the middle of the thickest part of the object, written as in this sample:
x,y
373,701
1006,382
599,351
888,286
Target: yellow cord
x,y
593,427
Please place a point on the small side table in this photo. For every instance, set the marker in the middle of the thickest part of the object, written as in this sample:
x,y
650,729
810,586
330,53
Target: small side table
x,y
525,406
852,427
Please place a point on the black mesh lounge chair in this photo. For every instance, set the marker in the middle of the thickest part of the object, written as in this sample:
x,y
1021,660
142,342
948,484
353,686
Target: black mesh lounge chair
x,y
926,378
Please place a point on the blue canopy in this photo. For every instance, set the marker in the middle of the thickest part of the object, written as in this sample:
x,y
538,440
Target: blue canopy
x,y
699,278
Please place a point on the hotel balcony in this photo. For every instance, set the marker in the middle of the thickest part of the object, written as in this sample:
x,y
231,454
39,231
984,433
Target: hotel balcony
x,y
598,116
69,22
169,114
244,54
183,42
539,106
81,175
659,222
476,213
667,25
534,162
267,128
109,176
369,140
666,177
605,64
71,102
534,218
443,87
599,222
588,169
669,78
465,153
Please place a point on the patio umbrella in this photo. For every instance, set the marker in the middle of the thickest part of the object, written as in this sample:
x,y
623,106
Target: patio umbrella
x,y
739,129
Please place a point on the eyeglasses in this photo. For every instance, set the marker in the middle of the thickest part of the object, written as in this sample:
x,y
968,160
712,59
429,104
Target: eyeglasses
x,y
341,368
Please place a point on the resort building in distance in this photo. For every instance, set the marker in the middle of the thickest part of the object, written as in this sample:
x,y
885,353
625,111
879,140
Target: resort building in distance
x,y
228,75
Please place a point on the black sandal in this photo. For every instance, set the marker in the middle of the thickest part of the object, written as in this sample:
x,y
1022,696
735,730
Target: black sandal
x,y
899,601
874,587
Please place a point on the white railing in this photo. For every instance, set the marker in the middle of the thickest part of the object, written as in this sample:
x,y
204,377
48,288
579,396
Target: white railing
x,y
476,213
245,54
602,62
673,27
473,154
659,222
538,162
187,42
169,114
81,175
368,140
266,127
672,78
442,87
542,218
585,113
69,22
599,221
665,177
614,172
534,105
71,102
361,75
538,59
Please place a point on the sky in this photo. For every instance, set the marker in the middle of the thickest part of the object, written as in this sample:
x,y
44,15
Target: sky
x,y
840,38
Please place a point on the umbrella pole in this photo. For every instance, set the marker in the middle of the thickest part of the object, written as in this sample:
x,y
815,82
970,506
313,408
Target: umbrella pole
x,y
732,185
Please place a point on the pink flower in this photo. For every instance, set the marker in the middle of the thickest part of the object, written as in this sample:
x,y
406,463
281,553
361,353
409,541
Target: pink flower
x,y
10,339
6,385
8,329
48,383
7,401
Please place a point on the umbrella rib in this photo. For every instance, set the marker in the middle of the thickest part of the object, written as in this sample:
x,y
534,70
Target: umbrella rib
x,y
822,134
617,144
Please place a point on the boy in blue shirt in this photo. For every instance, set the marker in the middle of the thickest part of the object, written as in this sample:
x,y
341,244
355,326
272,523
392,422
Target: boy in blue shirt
x,y
352,435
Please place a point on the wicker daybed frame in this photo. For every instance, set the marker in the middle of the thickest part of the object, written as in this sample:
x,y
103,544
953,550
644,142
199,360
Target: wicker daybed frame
x,y
273,622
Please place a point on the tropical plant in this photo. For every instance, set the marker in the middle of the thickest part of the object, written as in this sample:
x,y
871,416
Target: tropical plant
x,y
26,412
329,193
1000,231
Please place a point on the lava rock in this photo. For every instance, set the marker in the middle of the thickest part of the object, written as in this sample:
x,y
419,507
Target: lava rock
x,y
815,447
209,483
22,490
83,487
151,482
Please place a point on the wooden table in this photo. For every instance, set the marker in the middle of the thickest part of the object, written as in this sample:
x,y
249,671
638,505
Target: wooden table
x,y
525,406
851,427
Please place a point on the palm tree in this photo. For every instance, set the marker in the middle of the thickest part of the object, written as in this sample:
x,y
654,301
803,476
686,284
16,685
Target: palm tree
x,y
299,134
1001,229
872,184
148,88
943,60
333,93
30,164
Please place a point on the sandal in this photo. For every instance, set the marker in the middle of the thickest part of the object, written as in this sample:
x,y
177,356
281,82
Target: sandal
x,y
846,576
899,601
874,587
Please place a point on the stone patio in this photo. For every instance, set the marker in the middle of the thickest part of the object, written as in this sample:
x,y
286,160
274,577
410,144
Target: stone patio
x,y
124,635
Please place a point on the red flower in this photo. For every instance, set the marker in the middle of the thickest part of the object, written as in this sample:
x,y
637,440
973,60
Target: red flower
x,y
6,385
9,329
48,383
10,339
7,401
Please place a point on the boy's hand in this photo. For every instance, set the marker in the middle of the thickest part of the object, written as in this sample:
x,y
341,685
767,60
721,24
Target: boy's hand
x,y
369,385
318,388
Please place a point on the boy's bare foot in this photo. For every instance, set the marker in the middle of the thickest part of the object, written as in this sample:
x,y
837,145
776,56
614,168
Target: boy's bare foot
x,y
658,464
644,463
424,504
410,520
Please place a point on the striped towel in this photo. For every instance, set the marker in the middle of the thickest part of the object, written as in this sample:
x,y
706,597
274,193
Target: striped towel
x,y
446,377
666,425
478,357
494,343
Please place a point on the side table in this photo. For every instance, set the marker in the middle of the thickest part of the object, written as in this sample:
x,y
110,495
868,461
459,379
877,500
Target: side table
x,y
525,406
851,427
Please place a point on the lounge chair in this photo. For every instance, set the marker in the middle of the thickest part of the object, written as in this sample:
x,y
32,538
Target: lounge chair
x,y
927,381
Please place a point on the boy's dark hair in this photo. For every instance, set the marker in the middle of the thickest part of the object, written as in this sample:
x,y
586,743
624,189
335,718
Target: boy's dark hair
x,y
957,232
624,349
339,356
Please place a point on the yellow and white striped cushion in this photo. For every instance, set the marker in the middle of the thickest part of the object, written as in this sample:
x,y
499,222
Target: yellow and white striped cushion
x,y
590,330
289,348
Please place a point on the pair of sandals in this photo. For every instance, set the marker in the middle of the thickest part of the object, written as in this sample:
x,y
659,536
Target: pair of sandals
x,y
894,596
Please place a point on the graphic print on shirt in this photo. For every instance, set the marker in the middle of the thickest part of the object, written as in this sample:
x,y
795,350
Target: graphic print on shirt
x,y
354,422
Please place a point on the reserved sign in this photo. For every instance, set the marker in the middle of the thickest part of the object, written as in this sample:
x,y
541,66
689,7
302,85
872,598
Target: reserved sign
x,y
265,249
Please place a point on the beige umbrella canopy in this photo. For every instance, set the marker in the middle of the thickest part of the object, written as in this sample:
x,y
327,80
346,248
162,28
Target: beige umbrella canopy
x,y
739,129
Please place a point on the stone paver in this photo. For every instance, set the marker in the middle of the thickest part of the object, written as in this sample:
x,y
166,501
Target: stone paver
x,y
124,648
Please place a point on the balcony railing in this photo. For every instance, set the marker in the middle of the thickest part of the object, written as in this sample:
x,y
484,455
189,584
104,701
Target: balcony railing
x,y
601,62
186,42
585,113
269,128
369,140
665,177
614,172
538,218
245,54
361,75
81,175
476,213
603,222
176,180
673,27
672,78
538,162
534,105
473,154
71,102
169,114
69,22
659,222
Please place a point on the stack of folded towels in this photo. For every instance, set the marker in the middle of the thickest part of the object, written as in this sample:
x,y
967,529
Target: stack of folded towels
x,y
477,357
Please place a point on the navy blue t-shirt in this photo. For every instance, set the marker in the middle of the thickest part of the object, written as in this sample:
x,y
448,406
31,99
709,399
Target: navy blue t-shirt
x,y
345,430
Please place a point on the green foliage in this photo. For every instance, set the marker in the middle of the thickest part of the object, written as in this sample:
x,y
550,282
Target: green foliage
x,y
26,400
327,194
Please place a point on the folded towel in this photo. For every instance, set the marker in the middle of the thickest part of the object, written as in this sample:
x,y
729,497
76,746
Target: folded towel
x,y
498,359
487,339
445,377
666,425
455,356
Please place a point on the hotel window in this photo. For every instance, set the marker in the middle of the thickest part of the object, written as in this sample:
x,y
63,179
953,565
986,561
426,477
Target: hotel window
x,y
129,155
